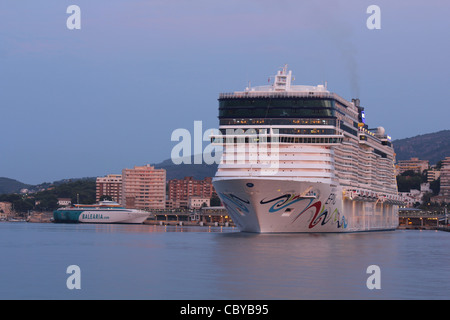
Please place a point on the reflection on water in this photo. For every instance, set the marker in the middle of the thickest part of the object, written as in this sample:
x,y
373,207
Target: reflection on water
x,y
142,228
183,262
159,228
300,266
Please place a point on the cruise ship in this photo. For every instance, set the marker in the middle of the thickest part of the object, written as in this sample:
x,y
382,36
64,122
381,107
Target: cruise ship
x,y
103,212
302,159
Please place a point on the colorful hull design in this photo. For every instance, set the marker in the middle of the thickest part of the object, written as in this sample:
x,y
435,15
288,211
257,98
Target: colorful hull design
x,y
278,206
126,216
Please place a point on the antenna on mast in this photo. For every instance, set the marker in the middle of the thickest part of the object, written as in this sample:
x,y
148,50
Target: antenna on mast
x,y
283,79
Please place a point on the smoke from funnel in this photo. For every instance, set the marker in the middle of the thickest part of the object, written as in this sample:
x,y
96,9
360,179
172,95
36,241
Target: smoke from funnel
x,y
339,32
352,67
342,37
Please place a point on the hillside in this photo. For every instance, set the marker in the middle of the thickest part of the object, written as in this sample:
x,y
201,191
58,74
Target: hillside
x,y
8,185
432,147
47,200
198,171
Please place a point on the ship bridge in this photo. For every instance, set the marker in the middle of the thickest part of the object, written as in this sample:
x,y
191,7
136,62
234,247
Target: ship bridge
x,y
282,87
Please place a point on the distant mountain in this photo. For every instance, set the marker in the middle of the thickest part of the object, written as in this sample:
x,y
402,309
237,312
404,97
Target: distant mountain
x,y
198,171
8,185
431,146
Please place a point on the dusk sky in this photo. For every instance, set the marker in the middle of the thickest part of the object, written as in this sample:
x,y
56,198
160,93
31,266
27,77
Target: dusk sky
x,y
88,102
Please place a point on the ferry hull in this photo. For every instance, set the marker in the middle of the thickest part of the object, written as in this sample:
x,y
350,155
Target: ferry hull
x,y
278,206
106,216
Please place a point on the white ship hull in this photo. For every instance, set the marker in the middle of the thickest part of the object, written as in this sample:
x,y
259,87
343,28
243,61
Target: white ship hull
x,y
112,215
270,205
109,216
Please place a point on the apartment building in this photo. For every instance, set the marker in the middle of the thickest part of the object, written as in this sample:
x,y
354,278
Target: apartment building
x,y
181,190
111,186
433,175
445,180
5,210
144,187
413,164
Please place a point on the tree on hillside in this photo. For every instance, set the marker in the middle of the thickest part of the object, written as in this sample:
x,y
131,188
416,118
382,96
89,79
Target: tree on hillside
x,y
47,200
435,186
410,180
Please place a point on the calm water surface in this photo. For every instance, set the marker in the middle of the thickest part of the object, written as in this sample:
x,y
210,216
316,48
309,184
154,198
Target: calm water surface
x,y
156,262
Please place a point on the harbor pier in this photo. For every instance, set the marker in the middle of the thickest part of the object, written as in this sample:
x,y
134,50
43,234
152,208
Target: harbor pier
x,y
206,216
411,218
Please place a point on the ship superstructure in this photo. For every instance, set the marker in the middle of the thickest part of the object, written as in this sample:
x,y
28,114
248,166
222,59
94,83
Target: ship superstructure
x,y
302,159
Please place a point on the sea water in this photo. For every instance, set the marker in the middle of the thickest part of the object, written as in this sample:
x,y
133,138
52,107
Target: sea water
x,y
158,262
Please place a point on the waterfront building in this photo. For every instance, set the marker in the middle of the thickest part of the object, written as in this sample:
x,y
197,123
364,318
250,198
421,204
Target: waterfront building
x,y
5,210
216,215
445,180
176,204
144,187
110,186
410,198
413,164
196,202
415,196
180,190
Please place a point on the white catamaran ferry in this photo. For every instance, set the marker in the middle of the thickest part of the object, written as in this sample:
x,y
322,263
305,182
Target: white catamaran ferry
x,y
103,212
302,159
